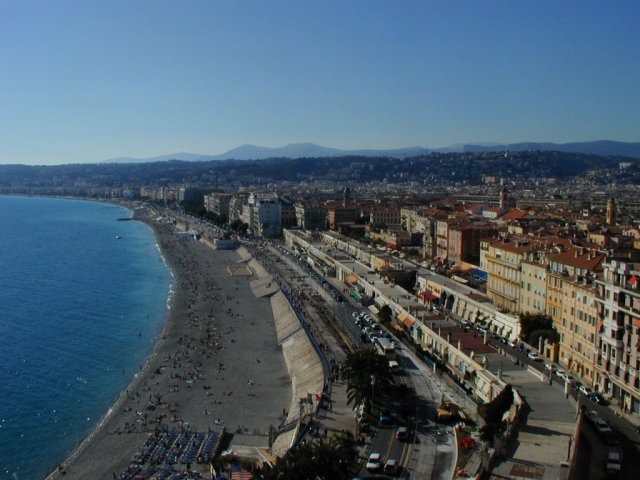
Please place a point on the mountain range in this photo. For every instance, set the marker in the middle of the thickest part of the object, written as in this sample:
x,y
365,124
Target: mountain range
x,y
311,150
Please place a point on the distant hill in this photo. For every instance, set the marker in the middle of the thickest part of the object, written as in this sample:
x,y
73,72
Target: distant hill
x,y
311,150
600,147
184,156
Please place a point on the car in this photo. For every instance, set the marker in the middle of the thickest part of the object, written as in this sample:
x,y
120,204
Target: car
x,y
614,461
597,398
561,373
576,385
374,463
391,466
534,356
584,390
602,427
402,433
592,416
393,365
385,416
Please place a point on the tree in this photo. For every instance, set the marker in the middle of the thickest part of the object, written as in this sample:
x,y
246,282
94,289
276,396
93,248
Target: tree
x,y
334,458
239,226
541,325
493,412
361,367
385,314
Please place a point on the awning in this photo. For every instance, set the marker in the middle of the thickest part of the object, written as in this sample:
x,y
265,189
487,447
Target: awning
x,y
427,295
352,278
373,309
479,274
406,319
356,295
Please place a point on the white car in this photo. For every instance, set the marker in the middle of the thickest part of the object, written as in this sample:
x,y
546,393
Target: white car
x,y
534,356
585,390
374,464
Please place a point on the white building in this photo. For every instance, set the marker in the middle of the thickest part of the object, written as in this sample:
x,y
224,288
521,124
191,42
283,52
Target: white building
x,y
265,218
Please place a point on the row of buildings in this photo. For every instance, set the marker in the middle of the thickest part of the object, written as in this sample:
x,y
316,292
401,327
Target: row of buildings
x,y
579,266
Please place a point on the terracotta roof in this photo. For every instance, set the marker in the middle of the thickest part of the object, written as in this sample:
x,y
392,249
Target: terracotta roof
x,y
514,214
578,257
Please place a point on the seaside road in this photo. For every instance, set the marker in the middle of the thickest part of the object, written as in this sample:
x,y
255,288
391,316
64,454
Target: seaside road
x,y
217,364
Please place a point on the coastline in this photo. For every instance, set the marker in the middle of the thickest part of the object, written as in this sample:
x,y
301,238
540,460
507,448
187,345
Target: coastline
x,y
193,318
141,375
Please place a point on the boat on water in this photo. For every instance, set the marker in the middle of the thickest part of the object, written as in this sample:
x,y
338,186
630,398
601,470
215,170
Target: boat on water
x,y
118,237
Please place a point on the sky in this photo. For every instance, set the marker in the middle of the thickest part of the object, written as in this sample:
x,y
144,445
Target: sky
x,y
85,81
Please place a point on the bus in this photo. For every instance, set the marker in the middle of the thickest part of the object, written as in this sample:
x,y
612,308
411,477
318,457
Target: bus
x,y
385,347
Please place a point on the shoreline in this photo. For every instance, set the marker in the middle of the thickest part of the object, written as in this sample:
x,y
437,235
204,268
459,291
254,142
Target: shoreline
x,y
106,450
138,377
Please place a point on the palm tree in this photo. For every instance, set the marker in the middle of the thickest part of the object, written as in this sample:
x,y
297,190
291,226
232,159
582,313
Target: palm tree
x,y
362,367
331,459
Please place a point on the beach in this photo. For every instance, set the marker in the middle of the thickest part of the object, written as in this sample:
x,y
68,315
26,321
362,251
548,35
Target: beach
x,y
218,364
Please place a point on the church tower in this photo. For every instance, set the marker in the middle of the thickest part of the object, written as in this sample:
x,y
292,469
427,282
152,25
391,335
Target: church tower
x,y
346,194
503,197
611,211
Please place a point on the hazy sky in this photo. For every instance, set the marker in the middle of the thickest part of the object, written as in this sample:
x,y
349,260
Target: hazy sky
x,y
84,81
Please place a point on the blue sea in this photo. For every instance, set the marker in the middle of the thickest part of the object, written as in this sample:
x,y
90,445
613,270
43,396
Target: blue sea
x,y
80,311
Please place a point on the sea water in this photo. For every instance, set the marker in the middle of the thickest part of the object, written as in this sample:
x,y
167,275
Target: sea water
x,y
83,298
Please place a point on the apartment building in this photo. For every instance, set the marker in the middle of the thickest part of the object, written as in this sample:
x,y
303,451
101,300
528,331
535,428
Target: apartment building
x,y
311,216
264,215
417,221
578,329
533,287
501,260
338,213
218,203
618,362
463,241
567,271
384,217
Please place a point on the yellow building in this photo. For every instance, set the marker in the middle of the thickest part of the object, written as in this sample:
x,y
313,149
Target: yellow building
x,y
533,287
578,328
501,260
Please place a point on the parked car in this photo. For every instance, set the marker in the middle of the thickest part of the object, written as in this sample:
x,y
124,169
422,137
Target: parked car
x,y
602,427
393,365
402,433
534,356
391,466
385,416
374,463
585,390
598,398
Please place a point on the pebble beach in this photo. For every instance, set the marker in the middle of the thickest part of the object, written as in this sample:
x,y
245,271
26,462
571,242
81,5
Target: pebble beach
x,y
217,364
